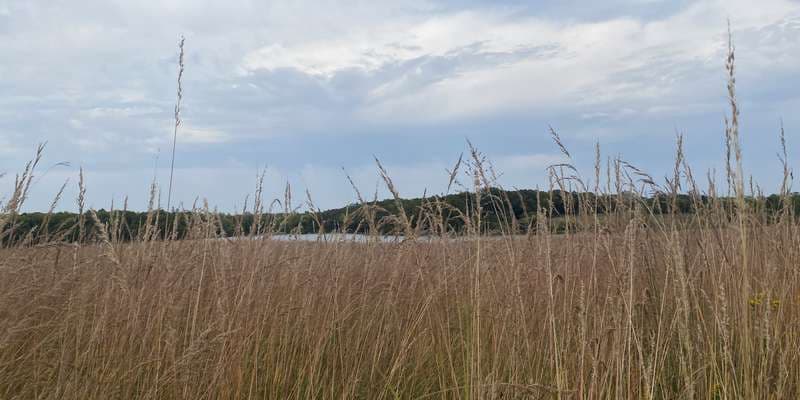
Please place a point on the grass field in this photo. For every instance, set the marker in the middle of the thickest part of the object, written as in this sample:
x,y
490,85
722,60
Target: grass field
x,y
632,312
633,305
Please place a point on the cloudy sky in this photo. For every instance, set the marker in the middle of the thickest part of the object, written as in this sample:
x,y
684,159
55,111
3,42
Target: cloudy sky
x,y
306,88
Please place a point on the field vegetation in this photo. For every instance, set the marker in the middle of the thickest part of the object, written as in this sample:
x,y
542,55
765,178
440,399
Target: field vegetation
x,y
629,295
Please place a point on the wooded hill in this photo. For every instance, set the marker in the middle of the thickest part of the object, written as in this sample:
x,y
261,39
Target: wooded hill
x,y
501,212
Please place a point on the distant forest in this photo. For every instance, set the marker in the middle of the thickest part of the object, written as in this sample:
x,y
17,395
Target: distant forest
x,y
501,211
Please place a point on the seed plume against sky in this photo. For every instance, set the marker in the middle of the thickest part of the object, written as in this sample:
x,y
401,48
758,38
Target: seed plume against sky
x,y
306,88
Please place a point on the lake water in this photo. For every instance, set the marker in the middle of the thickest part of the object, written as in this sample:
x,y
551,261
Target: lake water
x,y
361,238
338,237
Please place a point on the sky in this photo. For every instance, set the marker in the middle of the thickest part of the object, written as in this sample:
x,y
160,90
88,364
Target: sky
x,y
305,90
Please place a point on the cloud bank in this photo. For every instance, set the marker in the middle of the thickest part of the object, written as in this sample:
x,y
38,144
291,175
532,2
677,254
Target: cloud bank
x,y
306,88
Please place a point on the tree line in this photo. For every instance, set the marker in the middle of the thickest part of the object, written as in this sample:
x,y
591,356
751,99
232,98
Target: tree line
x,y
496,210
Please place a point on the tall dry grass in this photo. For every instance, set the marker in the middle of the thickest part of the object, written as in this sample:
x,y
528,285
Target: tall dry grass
x,y
637,305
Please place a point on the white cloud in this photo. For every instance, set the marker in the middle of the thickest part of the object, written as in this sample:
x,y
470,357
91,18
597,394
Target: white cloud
x,y
194,135
371,47
273,81
75,123
8,147
187,134
120,112
590,63
513,163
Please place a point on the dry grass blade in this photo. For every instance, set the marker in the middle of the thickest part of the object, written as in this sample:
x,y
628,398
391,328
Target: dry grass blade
x,y
557,140
179,98
454,173
401,211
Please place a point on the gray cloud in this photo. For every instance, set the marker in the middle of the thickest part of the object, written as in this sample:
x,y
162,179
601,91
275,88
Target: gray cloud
x,y
330,83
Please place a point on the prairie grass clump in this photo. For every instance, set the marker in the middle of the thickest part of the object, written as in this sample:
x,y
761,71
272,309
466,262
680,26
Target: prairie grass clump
x,y
604,293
